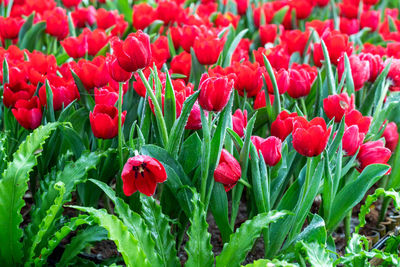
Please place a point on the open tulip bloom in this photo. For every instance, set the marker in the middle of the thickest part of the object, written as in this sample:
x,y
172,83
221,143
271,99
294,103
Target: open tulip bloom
x,y
190,132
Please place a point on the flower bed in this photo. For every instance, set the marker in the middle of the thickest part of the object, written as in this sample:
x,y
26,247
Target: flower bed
x,y
199,133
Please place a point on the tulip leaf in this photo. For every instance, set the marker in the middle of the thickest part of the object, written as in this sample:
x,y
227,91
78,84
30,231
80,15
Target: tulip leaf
x,y
196,71
118,232
49,98
171,46
87,99
13,186
227,54
280,15
160,230
32,35
380,192
277,103
6,77
179,125
199,247
234,252
316,254
349,77
71,26
169,104
274,262
352,193
314,232
134,222
187,158
328,68
26,27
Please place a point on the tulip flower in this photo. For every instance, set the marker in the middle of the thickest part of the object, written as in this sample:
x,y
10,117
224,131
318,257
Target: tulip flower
x,y
283,125
75,47
268,33
142,173
239,122
134,53
373,152
142,16
83,16
270,148
310,138
104,121
64,92
105,96
336,43
93,73
56,22
117,73
249,78
354,117
228,171
96,40
370,19
194,120
352,140
301,78
182,64
359,70
296,40
394,74
336,106
28,113
260,102
9,27
215,92
391,136
349,26
71,3
21,91
207,49
39,66
375,64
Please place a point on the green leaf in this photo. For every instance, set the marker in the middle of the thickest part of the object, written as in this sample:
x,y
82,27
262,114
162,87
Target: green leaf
x,y
349,77
277,104
316,254
49,105
87,100
169,104
118,232
267,263
13,186
32,35
187,158
353,192
231,48
198,247
380,192
80,241
243,239
134,222
160,230
314,232
197,70
5,71
26,27
329,72
280,15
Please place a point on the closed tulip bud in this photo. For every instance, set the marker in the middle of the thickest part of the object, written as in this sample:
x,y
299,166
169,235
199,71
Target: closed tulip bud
x,y
349,26
134,53
391,136
142,173
336,106
352,140
283,125
270,149
96,40
75,47
182,64
143,15
370,19
82,17
359,70
354,117
71,3
268,33
56,22
249,78
215,92
28,113
64,92
239,121
373,152
296,40
228,171
207,48
117,73
375,64
105,96
104,121
301,79
194,120
310,138
93,73
260,102
394,74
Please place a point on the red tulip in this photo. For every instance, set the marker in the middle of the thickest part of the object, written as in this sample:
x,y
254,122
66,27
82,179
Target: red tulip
x,y
167,11
259,101
105,96
104,121
228,171
142,16
373,152
117,73
375,64
160,51
349,26
28,113
56,22
336,106
182,64
320,26
93,73
336,43
394,74
9,27
249,78
20,91
391,136
194,120
207,49
71,3
270,149
106,19
40,65
215,92
242,6
64,92
296,40
303,8
370,19
359,70
354,117
75,47
268,33
138,85
239,122
83,16
278,56
352,140
283,125
242,51
301,79
310,138
224,20
188,34
142,173
96,40
40,6
134,53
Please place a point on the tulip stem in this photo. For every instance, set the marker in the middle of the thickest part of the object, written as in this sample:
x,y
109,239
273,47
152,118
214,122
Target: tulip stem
x,y
205,165
157,109
121,160
245,183
303,106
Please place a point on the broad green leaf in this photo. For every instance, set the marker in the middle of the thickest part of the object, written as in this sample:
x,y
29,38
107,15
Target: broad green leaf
x,y
13,185
32,35
169,104
272,263
118,232
187,158
26,27
234,252
232,46
316,254
314,232
198,247
197,70
328,67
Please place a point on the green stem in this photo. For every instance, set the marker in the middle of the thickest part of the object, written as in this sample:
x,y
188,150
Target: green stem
x,y
308,177
206,154
121,160
244,183
157,109
303,106
347,225
385,205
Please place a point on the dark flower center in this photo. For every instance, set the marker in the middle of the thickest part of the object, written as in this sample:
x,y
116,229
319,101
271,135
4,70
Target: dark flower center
x,y
139,169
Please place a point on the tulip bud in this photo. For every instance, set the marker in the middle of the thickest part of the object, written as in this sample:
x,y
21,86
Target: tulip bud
x,y
182,64
249,78
359,70
394,74
117,73
75,47
215,92
283,125
104,121
105,96
336,43
28,113
142,16
9,27
354,117
270,149
142,173
352,140
268,33
391,136
207,48
228,171
373,152
336,106
310,138
239,122
56,22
